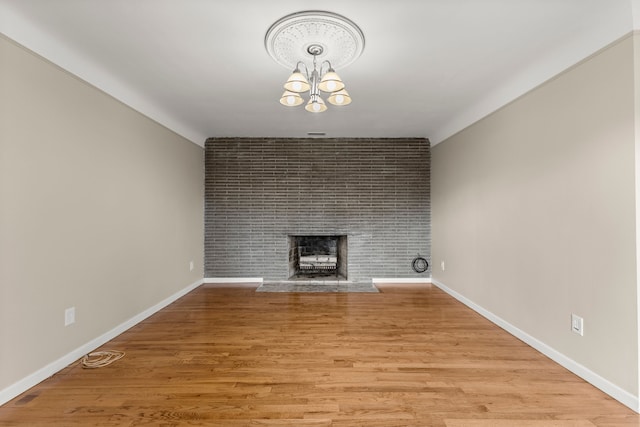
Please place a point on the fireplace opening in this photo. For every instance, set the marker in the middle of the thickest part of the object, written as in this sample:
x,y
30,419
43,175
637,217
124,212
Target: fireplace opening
x,y
318,257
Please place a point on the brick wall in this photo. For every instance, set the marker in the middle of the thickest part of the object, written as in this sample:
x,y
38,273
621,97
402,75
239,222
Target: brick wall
x,y
259,191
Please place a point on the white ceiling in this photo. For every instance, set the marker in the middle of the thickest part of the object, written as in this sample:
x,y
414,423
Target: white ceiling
x,y
429,68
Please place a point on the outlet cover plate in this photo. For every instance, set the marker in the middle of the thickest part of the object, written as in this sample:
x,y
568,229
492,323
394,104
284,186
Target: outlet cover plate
x,y
69,316
577,324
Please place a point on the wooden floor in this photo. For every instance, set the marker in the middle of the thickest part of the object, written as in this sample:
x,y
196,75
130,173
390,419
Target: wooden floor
x,y
409,356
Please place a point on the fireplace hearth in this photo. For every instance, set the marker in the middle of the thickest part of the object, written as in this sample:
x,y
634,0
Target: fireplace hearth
x,y
318,257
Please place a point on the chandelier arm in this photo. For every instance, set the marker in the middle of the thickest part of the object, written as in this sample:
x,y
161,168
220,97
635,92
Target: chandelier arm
x,y
306,70
322,65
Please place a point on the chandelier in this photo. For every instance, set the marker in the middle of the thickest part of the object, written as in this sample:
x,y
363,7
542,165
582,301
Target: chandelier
x,y
299,83
303,40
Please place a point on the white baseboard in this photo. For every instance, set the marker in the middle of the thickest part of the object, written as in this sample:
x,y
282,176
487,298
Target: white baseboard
x,y
402,280
233,280
260,280
40,375
43,373
591,377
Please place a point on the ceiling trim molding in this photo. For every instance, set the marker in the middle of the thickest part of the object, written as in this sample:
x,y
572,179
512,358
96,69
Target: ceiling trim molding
x,y
624,17
555,63
16,28
635,10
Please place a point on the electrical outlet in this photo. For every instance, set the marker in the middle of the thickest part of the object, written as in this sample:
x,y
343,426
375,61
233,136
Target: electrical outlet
x,y
442,265
577,324
190,265
69,316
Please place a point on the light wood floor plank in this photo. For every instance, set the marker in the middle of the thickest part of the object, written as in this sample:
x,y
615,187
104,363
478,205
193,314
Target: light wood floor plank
x,y
408,356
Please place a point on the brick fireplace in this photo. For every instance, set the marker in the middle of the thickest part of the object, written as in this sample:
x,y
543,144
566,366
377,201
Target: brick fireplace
x,y
371,196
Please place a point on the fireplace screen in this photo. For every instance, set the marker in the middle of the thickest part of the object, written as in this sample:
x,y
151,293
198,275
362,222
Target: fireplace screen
x,y
318,257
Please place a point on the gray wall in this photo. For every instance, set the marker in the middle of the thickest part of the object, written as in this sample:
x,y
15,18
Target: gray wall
x,y
534,214
258,191
100,209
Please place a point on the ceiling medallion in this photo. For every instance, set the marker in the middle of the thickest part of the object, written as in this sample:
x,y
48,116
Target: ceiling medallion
x,y
302,40
289,38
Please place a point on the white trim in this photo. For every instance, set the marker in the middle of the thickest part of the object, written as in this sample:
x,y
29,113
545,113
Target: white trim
x,y
42,374
635,12
30,36
557,61
636,70
591,377
403,280
233,280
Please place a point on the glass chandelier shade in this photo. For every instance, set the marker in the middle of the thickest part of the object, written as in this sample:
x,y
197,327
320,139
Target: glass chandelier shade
x,y
291,99
331,82
315,105
297,82
340,97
